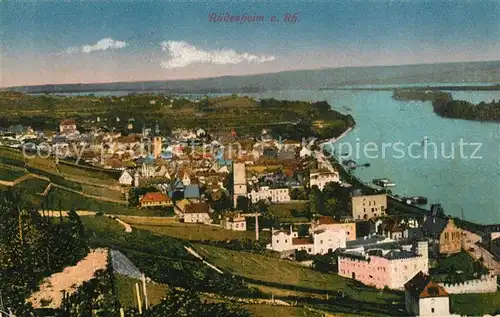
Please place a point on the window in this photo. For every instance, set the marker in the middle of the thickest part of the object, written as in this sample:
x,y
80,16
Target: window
x,y
286,241
320,241
432,310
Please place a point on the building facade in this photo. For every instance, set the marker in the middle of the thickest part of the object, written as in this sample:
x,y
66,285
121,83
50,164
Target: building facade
x,y
320,179
426,298
67,126
327,222
275,195
235,223
320,242
384,265
368,206
239,182
156,199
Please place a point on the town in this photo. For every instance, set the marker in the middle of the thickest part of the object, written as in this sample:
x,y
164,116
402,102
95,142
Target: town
x,y
254,205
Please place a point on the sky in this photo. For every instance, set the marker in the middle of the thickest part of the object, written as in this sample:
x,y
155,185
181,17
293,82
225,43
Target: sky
x,y
109,41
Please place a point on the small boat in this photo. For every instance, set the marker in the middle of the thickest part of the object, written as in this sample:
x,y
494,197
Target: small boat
x,y
350,163
366,165
415,200
383,182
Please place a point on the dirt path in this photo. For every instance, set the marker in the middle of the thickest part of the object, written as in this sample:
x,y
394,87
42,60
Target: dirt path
x,y
69,280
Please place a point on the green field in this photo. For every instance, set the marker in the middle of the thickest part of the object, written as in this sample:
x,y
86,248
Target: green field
x,y
287,275
103,192
60,199
10,174
475,304
277,311
31,190
193,232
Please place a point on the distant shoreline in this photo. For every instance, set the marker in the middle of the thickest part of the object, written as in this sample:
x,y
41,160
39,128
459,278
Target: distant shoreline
x,y
453,88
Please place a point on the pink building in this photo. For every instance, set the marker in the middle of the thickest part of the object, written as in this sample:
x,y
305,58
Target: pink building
x,y
384,265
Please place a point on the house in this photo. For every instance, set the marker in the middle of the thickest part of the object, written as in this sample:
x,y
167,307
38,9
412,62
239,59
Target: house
x,y
67,126
155,199
275,195
443,234
321,241
197,213
368,206
126,178
305,152
390,228
426,298
235,222
320,179
327,222
383,264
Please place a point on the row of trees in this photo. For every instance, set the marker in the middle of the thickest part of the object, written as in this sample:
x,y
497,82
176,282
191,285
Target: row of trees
x,y
465,110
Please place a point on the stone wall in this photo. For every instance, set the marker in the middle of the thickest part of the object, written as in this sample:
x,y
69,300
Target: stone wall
x,y
485,284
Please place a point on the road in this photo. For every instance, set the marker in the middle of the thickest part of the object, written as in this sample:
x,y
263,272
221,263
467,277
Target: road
x,y
476,251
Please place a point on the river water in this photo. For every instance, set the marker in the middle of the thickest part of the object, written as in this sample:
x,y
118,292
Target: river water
x,y
432,164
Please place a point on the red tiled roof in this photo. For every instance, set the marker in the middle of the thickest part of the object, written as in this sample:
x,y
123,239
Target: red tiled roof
x,y
326,220
421,286
301,241
155,197
68,122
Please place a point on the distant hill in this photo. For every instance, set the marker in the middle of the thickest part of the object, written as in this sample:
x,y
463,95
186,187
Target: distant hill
x,y
467,72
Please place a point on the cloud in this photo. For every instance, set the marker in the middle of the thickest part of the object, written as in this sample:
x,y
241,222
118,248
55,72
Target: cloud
x,y
183,54
102,45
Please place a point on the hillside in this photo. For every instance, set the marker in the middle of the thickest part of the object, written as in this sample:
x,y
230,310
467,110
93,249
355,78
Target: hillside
x,y
290,119
486,72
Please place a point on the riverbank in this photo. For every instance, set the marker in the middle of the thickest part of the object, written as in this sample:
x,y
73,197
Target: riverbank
x,y
396,206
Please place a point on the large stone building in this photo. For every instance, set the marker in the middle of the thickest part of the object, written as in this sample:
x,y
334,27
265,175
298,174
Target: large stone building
x,y
384,264
426,298
368,206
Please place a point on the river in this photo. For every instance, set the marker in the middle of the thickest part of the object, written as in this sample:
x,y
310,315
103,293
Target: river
x,y
464,184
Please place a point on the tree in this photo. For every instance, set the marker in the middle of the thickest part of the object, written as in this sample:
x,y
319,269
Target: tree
x,y
316,202
326,263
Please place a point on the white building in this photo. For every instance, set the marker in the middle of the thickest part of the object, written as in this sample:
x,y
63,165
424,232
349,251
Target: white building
x,y
235,223
320,242
426,298
320,179
275,195
305,152
197,213
125,178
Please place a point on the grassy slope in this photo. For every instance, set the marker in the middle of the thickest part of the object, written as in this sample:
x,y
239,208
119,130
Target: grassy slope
x,y
270,311
281,272
195,232
475,304
125,287
66,200
10,174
